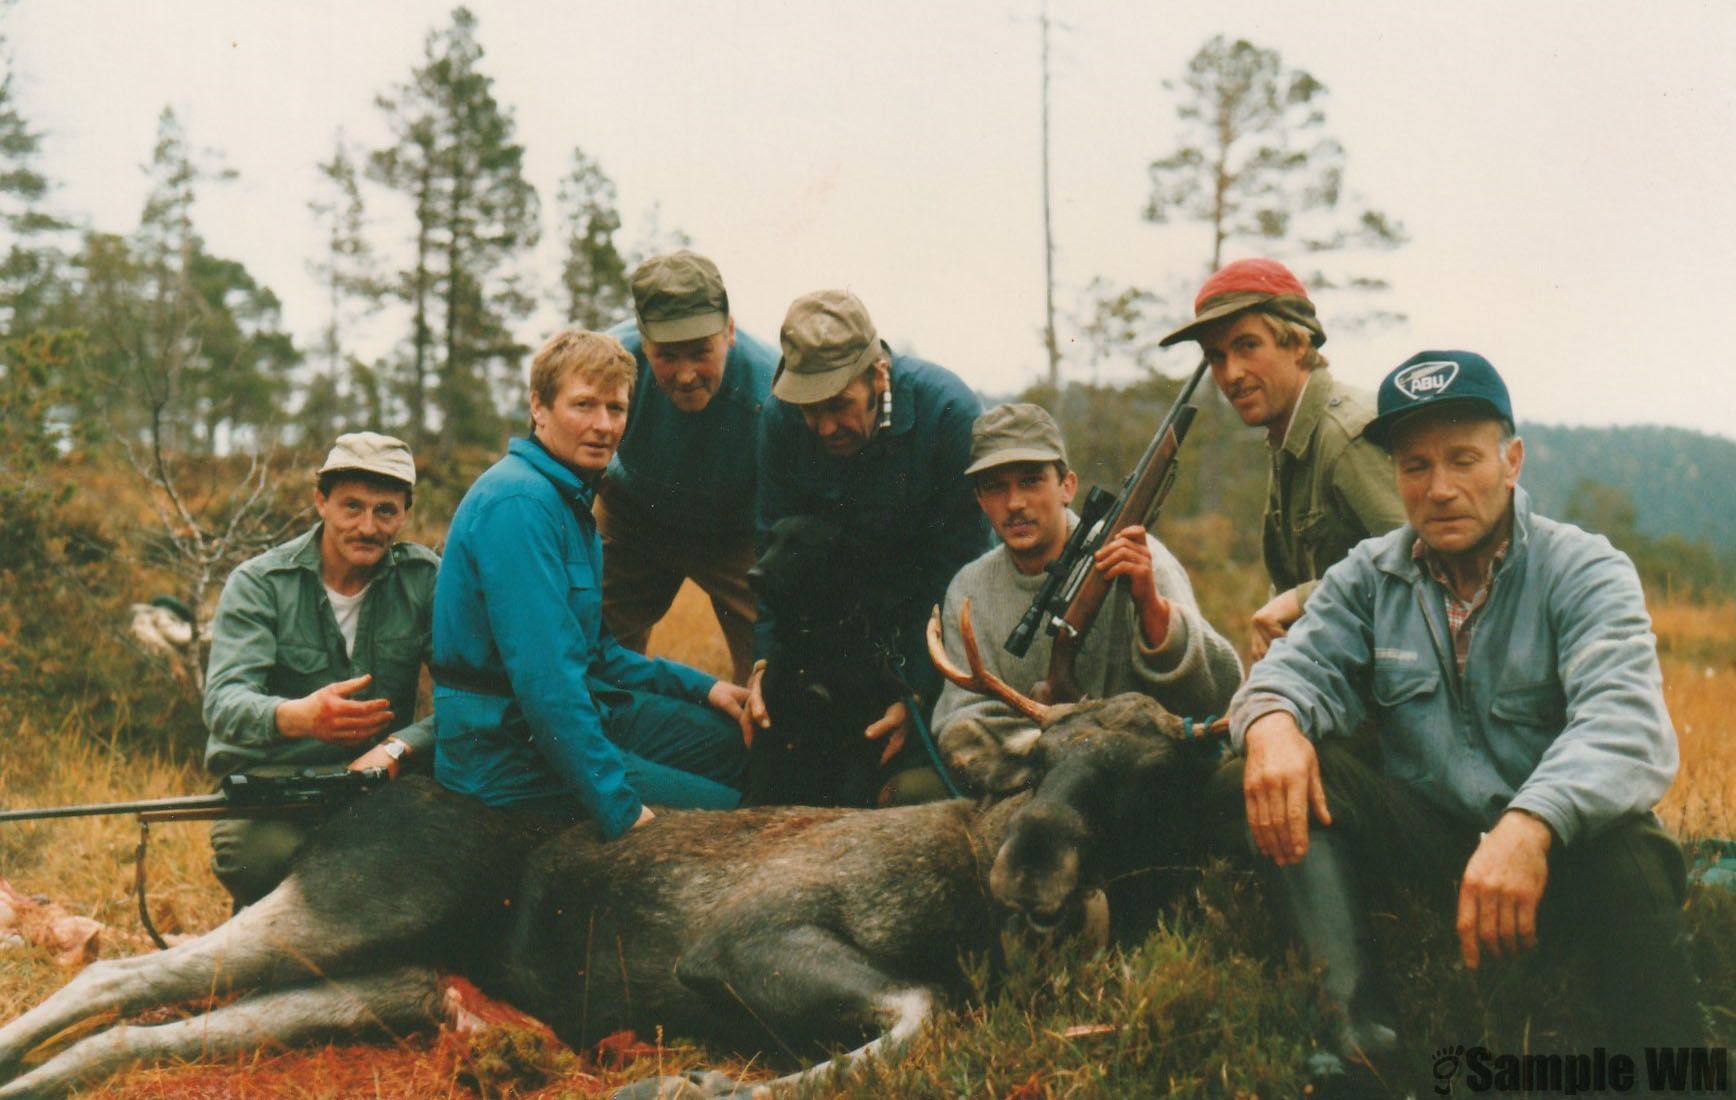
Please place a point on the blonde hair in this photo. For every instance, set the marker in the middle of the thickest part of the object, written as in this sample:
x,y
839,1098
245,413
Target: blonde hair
x,y
595,356
1287,333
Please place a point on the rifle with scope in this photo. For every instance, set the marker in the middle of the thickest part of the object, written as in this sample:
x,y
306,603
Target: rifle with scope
x,y
306,791
1073,592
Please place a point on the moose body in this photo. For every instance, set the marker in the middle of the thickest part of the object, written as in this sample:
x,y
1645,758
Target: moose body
x,y
769,927
829,668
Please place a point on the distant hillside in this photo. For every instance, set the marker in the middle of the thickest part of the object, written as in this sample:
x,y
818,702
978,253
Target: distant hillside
x,y
1679,482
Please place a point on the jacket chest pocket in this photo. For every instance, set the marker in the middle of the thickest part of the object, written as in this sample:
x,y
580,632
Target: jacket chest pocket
x,y
300,670
1320,538
397,661
1409,707
585,598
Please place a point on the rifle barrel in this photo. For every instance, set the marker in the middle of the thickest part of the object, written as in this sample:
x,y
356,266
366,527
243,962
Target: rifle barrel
x,y
97,809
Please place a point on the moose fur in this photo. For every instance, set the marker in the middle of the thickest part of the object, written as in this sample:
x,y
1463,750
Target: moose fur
x,y
829,669
773,928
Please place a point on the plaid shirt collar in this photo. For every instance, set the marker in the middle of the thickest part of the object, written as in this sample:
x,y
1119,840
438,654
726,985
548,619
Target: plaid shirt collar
x,y
1460,613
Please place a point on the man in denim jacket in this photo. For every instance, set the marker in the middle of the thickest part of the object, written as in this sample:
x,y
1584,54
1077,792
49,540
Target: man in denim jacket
x,y
1508,664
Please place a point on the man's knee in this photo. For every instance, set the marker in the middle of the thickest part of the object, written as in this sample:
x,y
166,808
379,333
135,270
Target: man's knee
x,y
1631,870
251,857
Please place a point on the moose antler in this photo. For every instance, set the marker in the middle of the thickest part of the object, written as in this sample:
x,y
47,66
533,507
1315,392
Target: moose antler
x,y
978,679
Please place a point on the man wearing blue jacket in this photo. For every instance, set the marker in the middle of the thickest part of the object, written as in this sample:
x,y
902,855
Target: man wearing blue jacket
x,y
1508,664
876,443
677,501
536,705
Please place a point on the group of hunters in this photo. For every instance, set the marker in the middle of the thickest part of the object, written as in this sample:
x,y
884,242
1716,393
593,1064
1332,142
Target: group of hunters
x,y
1448,689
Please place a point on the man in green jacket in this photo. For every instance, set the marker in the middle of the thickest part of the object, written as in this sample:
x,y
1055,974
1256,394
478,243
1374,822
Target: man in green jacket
x,y
316,652
1329,488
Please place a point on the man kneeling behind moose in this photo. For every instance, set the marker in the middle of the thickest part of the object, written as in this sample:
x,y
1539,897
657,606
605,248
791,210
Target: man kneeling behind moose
x,y
1508,665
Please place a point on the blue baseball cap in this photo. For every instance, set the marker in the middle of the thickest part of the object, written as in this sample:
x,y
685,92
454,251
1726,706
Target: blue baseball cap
x,y
1431,378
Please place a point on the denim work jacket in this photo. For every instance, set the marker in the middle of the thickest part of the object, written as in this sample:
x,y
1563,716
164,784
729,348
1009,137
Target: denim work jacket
x,y
1560,711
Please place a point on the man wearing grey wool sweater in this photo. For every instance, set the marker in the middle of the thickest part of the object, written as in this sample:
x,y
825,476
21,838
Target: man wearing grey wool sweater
x,y
1150,636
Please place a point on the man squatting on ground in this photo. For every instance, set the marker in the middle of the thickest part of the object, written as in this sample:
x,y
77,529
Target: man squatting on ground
x,y
316,651
876,443
1329,488
1150,636
537,706
1508,664
677,500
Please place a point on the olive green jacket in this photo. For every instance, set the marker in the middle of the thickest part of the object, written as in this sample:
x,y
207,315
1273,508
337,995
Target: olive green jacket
x,y
1329,488
275,638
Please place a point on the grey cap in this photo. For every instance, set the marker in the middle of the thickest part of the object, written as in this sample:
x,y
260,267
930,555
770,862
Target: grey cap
x,y
679,296
372,453
1014,433
828,341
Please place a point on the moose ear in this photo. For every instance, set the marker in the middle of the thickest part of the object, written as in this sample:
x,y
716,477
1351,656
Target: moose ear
x,y
1022,743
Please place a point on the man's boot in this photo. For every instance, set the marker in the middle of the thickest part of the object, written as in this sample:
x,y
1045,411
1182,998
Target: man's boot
x,y
1325,909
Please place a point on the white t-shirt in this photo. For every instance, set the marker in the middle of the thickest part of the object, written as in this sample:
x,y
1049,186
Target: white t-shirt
x,y
348,610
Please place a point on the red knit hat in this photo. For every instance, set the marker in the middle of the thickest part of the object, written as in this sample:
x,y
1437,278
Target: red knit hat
x,y
1262,284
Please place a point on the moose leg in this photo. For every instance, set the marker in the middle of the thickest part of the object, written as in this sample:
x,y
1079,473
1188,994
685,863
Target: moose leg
x,y
395,1002
277,941
798,984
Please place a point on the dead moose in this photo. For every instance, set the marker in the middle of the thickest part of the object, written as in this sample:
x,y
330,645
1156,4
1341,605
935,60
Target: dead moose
x,y
770,928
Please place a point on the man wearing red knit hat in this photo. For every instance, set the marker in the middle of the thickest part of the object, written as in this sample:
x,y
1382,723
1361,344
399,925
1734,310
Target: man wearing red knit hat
x,y
1329,488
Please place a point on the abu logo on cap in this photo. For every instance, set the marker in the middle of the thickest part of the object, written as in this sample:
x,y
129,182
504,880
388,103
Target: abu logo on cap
x,y
1431,378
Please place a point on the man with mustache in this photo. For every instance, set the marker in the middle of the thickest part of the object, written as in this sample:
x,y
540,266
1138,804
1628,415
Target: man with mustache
x,y
1508,664
677,501
1150,636
316,652
1329,489
876,443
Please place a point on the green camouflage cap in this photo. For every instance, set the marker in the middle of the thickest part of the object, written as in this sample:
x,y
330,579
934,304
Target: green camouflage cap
x,y
372,453
828,341
679,296
1014,433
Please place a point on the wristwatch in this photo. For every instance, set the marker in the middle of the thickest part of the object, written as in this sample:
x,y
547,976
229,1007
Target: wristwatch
x,y
395,747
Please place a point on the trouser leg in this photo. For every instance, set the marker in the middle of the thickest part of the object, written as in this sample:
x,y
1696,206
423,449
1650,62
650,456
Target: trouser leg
x,y
251,856
1377,825
1618,896
720,570
680,753
639,579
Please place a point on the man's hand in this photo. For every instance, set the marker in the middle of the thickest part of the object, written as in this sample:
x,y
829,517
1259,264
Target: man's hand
x,y
894,725
1273,621
645,815
330,715
1129,555
730,698
377,757
754,715
1502,886
1281,786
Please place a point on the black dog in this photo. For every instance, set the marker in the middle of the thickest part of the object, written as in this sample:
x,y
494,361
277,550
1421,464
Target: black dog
x,y
829,672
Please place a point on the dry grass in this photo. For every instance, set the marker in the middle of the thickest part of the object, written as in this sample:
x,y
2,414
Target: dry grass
x,y
690,634
1697,643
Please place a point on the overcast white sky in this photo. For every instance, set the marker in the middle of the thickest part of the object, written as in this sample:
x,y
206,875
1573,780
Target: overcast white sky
x,y
1565,167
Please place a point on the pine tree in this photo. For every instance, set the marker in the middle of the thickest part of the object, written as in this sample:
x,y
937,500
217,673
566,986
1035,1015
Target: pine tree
x,y
453,157
347,270
1254,164
593,290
